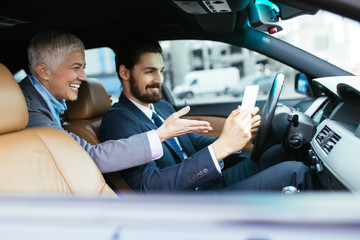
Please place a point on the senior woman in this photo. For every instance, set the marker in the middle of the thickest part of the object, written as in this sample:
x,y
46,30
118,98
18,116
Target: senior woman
x,y
56,64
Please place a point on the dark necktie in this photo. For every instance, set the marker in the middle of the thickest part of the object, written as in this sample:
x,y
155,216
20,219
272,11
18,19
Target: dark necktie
x,y
176,147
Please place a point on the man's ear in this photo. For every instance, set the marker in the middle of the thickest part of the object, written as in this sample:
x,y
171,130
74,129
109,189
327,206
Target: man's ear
x,y
43,71
124,73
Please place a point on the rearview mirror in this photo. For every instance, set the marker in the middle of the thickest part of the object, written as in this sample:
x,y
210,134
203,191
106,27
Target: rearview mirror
x,y
264,18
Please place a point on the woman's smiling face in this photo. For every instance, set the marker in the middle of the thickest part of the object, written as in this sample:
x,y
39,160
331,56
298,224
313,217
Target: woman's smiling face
x,y
64,83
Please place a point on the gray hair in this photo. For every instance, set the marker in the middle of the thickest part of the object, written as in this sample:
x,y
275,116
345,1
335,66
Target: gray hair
x,y
51,47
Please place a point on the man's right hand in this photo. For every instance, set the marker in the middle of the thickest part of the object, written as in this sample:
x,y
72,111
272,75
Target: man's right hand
x,y
174,126
235,134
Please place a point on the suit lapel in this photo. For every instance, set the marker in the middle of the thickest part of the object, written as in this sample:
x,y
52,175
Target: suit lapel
x,y
137,112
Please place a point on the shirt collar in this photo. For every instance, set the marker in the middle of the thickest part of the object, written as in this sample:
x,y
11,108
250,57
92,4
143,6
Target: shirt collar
x,y
147,111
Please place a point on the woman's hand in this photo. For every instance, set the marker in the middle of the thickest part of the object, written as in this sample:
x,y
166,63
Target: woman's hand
x,y
174,126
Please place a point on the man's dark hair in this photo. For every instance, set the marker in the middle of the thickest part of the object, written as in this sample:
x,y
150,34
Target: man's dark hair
x,y
129,50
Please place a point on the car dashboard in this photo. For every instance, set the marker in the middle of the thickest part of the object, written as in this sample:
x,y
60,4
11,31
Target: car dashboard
x,y
335,147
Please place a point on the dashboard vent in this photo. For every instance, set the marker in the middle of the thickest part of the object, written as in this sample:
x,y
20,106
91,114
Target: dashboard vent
x,y
327,139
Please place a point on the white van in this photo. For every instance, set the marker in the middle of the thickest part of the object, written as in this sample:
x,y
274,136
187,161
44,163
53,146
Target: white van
x,y
216,81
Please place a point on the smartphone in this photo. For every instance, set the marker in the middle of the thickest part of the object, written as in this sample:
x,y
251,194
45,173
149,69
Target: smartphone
x,y
249,98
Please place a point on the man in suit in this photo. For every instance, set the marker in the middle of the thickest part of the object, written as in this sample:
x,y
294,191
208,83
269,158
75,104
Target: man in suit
x,y
57,62
198,164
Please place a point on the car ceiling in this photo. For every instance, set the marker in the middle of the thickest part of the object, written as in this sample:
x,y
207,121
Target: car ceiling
x,y
103,23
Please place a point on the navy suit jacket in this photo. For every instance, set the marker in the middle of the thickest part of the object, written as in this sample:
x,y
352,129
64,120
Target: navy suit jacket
x,y
169,173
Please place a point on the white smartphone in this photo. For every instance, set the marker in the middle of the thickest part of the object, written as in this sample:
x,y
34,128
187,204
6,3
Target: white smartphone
x,y
249,98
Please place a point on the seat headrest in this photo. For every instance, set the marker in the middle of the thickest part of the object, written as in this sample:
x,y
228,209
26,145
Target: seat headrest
x,y
93,101
13,109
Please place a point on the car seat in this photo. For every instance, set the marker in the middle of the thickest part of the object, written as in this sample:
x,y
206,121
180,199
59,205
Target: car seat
x,y
41,160
84,117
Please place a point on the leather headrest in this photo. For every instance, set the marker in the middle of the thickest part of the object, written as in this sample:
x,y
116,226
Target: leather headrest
x,y
93,101
13,109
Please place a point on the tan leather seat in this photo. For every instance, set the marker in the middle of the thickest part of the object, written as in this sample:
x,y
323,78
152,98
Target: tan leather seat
x,y
84,117
40,160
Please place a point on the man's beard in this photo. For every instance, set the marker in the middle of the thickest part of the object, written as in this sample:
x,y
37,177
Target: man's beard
x,y
153,97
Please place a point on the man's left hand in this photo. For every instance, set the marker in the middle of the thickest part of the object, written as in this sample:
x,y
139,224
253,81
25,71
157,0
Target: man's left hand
x,y
255,122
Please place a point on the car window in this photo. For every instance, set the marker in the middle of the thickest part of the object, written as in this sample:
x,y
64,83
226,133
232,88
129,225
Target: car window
x,y
20,75
222,71
200,71
100,64
224,79
194,82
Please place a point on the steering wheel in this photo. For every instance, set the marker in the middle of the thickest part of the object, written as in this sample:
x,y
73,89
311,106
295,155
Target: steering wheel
x,y
267,117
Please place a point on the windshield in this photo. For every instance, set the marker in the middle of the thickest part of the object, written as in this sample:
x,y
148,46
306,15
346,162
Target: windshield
x,y
326,35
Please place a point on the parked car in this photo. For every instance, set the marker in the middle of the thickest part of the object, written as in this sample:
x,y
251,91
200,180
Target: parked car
x,y
264,82
218,81
315,115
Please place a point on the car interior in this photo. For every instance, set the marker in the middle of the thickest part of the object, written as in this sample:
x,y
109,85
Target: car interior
x,y
320,122
247,24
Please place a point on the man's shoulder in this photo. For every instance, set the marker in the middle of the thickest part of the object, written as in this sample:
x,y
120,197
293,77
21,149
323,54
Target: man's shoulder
x,y
117,109
118,106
